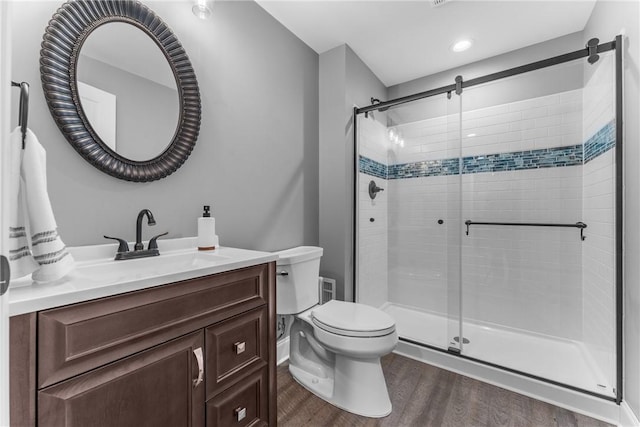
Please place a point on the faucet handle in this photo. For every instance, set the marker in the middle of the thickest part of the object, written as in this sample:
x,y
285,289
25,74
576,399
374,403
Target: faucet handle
x,y
153,244
124,246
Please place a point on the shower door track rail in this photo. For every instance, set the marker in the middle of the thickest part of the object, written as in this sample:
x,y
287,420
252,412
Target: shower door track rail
x,y
460,84
581,225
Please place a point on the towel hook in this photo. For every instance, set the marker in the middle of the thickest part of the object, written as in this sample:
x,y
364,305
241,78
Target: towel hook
x,y
23,108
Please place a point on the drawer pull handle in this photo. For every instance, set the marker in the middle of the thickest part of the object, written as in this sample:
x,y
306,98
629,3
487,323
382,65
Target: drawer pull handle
x,y
239,347
240,413
198,354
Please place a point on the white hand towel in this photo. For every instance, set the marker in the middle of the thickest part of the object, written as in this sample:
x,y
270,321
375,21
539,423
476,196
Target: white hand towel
x,y
20,259
48,250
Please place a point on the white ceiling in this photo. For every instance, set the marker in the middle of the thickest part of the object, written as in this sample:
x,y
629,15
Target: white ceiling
x,y
403,40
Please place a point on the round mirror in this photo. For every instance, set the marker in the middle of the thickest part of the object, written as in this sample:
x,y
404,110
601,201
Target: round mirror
x,y
127,91
120,87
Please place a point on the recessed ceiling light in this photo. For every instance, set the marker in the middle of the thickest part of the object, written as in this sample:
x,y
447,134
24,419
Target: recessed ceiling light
x,y
462,45
202,9
471,135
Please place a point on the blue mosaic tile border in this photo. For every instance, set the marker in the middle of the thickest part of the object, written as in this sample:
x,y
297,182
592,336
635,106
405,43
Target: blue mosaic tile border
x,y
601,142
572,155
424,168
522,160
373,168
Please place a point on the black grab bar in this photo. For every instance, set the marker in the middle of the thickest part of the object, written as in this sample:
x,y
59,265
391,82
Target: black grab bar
x,y
581,225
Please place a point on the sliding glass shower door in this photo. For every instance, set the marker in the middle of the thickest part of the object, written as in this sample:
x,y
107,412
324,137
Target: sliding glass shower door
x,y
538,205
410,232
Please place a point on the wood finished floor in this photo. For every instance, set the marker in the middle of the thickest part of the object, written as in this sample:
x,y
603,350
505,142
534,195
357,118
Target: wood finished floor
x,y
425,396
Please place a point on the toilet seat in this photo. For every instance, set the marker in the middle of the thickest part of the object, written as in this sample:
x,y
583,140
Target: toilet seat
x,y
352,319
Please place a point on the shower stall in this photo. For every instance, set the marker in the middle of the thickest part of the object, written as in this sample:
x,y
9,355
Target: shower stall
x,y
498,236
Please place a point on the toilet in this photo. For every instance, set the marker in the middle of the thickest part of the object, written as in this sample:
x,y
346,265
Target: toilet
x,y
335,348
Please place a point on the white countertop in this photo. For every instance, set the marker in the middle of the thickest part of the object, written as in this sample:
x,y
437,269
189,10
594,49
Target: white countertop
x,y
97,275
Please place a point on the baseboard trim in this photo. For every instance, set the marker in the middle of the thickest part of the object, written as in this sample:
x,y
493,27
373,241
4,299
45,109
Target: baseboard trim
x,y
575,401
627,417
282,350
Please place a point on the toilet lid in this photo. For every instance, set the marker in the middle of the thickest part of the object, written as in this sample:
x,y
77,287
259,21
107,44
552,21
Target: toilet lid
x,y
352,319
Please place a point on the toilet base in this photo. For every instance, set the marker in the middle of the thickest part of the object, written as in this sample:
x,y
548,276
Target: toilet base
x,y
357,386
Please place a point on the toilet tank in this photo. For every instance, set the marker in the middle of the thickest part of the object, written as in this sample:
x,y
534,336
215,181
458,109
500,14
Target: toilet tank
x,y
297,274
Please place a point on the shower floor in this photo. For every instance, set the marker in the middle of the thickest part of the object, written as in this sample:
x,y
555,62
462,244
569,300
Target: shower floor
x,y
564,361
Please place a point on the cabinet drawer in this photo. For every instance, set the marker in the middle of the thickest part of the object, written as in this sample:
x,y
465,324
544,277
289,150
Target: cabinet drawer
x,y
244,404
81,337
235,347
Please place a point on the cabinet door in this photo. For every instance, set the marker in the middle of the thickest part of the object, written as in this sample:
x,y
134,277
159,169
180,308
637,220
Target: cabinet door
x,y
157,387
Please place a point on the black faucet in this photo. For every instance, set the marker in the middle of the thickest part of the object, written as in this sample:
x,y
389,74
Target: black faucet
x,y
150,221
139,251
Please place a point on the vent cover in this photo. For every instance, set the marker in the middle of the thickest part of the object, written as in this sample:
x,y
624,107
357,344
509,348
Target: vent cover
x,y
436,3
326,289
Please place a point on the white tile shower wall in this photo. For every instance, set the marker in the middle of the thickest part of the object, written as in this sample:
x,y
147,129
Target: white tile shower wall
x,y
598,255
372,235
598,97
528,278
417,243
372,139
372,255
544,122
598,259
524,277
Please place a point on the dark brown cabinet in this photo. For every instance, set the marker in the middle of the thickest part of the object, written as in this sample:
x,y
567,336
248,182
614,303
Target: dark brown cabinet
x,y
193,353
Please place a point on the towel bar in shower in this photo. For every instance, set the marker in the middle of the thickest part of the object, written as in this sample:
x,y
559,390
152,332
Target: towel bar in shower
x,y
581,225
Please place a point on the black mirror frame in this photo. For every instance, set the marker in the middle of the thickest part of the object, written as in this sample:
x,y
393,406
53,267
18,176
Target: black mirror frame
x,y
63,38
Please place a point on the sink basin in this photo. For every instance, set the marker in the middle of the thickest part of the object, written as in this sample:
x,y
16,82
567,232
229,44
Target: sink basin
x,y
163,264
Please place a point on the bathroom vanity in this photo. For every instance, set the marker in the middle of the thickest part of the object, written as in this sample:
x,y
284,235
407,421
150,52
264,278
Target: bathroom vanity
x,y
171,343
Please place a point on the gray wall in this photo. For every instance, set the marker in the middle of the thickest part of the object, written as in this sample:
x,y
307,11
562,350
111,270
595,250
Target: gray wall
x,y
345,82
256,160
608,19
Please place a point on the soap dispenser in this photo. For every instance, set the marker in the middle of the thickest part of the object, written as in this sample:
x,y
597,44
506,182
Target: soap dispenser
x,y
207,238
